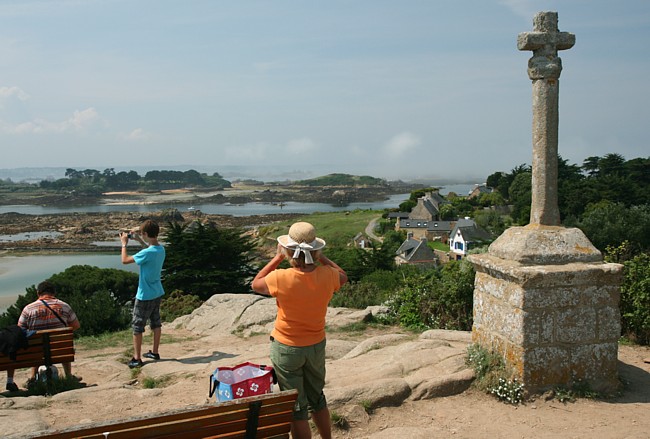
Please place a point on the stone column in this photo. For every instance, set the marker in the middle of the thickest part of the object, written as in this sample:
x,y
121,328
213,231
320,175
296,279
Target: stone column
x,y
543,297
544,70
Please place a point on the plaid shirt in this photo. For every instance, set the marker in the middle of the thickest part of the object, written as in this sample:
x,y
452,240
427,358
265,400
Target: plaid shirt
x,y
37,316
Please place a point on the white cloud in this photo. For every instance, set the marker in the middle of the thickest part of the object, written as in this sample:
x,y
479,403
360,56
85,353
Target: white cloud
x,y
301,146
79,121
8,92
137,134
402,144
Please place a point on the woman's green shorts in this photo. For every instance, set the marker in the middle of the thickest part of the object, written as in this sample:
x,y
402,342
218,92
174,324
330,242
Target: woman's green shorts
x,y
301,368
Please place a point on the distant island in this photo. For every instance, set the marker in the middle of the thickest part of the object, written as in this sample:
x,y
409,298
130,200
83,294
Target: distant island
x,y
90,186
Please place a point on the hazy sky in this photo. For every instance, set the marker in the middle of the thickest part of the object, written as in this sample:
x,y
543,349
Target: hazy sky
x,y
397,89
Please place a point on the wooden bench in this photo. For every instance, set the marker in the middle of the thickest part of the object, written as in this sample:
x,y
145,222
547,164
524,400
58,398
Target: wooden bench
x,y
46,347
263,416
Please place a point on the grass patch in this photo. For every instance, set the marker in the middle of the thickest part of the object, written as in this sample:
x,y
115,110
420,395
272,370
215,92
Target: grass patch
x,y
350,327
366,404
624,341
105,340
580,389
124,339
135,372
437,245
156,383
336,228
339,421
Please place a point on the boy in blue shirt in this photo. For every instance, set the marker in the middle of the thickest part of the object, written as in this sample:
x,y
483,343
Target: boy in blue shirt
x,y
150,290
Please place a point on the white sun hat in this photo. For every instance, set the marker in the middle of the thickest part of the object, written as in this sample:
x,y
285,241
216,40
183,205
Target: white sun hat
x,y
302,238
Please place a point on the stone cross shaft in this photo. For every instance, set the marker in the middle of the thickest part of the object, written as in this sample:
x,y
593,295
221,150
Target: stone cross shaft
x,y
544,70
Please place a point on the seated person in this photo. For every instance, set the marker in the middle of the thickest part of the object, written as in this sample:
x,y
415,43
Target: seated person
x,y
47,312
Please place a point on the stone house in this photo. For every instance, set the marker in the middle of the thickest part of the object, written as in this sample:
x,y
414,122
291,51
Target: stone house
x,y
479,190
424,220
416,252
465,235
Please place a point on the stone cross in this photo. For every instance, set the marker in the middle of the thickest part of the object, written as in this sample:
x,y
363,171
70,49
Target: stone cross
x,y
544,70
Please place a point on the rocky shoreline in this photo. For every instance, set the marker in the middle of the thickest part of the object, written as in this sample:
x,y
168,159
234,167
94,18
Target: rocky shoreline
x,y
78,231
96,232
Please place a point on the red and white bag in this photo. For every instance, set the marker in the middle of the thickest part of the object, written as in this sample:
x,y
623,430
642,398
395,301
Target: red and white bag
x,y
246,379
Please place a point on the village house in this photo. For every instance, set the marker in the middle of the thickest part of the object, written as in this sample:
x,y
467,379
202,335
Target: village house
x,y
415,252
479,189
424,220
360,240
465,235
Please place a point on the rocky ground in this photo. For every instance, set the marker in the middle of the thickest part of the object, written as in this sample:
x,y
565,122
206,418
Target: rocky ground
x,y
384,383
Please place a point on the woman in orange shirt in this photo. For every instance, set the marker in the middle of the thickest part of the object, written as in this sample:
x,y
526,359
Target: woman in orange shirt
x,y
302,294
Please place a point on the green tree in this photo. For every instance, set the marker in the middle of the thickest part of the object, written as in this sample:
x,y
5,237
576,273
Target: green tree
x,y
491,221
87,280
520,197
494,180
635,299
448,212
590,165
492,199
203,260
609,224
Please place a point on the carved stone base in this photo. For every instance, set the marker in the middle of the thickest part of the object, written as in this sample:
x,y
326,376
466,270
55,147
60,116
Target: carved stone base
x,y
543,245
556,323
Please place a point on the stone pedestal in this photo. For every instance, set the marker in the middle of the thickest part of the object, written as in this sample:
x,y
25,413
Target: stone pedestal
x,y
544,299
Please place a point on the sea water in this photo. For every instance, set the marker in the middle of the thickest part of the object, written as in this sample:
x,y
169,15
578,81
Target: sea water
x,y
17,273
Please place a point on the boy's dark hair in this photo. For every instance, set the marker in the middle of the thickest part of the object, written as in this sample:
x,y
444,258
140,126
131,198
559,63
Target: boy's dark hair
x,y
151,228
45,287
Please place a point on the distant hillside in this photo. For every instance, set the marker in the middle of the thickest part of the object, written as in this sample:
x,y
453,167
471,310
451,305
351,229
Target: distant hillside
x,y
343,180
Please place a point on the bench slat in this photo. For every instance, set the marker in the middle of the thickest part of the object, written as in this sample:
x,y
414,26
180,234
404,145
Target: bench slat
x,y
26,364
61,350
202,428
37,354
225,420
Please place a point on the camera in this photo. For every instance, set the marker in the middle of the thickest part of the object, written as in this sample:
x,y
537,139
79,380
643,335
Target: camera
x,y
129,235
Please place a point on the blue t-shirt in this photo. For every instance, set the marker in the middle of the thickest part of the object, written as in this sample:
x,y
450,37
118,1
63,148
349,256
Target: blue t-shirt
x,y
150,260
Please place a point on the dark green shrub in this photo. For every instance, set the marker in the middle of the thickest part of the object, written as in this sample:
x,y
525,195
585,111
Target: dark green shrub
x,y
635,299
358,295
440,299
87,279
178,304
98,312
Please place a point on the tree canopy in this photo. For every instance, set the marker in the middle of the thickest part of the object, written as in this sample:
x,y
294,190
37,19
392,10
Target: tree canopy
x,y
203,260
91,181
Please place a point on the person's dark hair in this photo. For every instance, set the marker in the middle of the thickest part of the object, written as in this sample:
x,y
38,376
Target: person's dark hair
x,y
151,228
45,287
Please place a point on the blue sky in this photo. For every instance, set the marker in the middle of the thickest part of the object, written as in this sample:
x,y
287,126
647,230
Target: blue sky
x,y
408,89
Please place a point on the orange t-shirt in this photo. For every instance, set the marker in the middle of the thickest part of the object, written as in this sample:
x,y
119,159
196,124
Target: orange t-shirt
x,y
302,300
